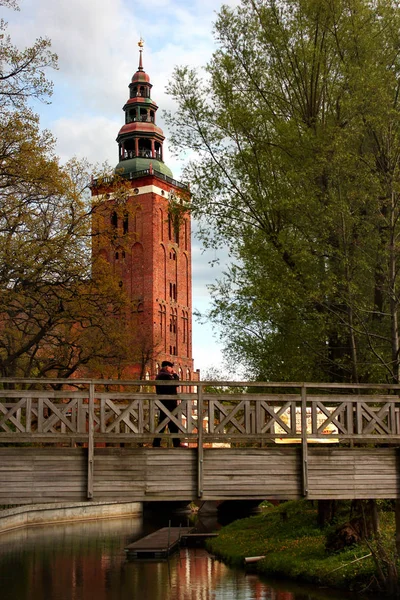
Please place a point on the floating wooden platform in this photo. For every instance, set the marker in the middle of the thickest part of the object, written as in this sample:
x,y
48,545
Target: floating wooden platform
x,y
159,544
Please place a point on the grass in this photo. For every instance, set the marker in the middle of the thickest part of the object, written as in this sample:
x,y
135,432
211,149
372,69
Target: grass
x,y
294,547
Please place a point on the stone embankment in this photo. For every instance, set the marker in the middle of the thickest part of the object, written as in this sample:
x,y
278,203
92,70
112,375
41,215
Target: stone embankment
x,y
45,514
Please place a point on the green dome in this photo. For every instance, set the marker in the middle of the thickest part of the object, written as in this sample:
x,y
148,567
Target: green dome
x,y
133,165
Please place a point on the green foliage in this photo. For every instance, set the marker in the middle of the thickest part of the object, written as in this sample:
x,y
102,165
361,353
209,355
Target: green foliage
x,y
294,546
296,134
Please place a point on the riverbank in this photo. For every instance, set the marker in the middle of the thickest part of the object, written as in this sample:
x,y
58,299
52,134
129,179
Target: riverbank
x,y
293,547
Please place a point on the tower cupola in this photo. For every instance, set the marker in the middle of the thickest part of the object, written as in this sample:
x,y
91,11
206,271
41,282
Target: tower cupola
x,y
140,140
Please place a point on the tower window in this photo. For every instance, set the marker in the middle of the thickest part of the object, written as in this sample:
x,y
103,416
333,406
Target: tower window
x,y
126,224
162,314
185,321
161,225
172,291
169,227
186,234
172,323
114,220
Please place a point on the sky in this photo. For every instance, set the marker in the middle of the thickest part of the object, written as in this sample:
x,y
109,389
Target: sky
x,y
96,43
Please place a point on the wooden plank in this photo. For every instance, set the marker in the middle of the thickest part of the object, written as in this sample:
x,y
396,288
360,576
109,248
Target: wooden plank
x,y
145,474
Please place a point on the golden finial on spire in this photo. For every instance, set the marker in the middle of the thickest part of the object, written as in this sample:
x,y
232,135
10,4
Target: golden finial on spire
x,y
140,44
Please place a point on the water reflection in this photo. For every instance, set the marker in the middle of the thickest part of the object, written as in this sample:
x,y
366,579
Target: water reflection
x,y
86,561
194,575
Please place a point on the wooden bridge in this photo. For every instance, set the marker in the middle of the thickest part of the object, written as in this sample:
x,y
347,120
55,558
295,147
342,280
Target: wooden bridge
x,y
73,440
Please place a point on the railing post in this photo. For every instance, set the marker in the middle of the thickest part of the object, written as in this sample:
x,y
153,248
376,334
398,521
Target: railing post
x,y
28,417
304,447
90,443
200,449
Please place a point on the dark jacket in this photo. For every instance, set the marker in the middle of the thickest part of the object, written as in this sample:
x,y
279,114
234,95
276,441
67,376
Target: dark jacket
x,y
167,390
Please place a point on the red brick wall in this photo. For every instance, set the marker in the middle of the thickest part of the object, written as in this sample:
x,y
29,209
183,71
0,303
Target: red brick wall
x,y
155,271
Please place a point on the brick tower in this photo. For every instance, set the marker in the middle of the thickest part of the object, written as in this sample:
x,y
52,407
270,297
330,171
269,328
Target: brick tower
x,y
149,246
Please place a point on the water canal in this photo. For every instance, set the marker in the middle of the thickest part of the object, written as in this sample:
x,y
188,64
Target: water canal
x,y
86,561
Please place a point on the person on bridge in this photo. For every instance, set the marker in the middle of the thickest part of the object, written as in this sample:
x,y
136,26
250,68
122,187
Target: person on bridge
x,y
167,373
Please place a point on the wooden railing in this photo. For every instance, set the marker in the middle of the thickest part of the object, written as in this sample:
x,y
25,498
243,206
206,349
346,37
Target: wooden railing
x,y
230,412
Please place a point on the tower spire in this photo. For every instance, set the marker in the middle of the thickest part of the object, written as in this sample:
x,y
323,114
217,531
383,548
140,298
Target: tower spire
x,y
140,44
140,140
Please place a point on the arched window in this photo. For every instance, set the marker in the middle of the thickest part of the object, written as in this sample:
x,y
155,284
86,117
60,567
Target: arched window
x,y
162,316
186,234
161,225
185,321
126,223
114,220
173,322
173,291
170,227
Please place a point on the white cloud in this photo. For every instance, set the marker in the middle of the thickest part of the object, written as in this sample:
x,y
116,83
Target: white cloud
x,y
89,137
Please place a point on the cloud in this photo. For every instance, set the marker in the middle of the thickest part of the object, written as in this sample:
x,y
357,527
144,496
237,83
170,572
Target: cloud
x,y
89,137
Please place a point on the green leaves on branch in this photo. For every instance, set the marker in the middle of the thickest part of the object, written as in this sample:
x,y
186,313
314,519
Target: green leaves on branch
x,y
292,143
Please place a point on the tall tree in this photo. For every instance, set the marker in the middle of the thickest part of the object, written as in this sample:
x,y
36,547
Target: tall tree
x,y
296,135
60,306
